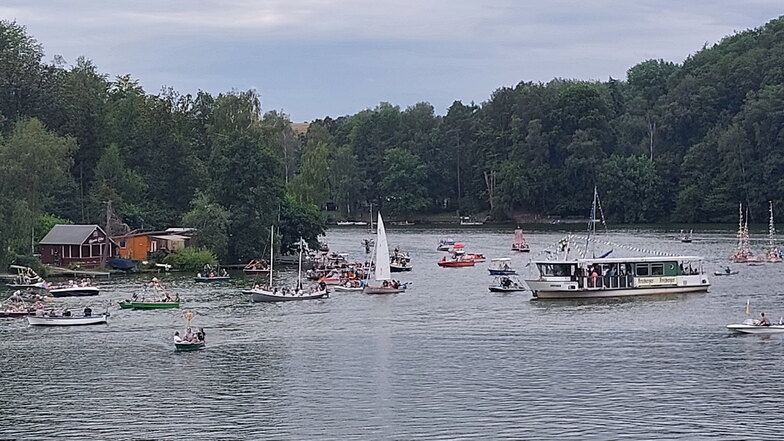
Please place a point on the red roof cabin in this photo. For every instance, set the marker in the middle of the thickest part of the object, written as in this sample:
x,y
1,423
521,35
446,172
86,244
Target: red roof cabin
x,y
76,244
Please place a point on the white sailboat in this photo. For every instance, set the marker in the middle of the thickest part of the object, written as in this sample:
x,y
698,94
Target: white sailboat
x,y
266,294
772,252
383,274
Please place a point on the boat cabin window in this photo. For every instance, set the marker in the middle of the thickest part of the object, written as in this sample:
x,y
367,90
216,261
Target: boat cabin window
x,y
556,269
642,270
657,269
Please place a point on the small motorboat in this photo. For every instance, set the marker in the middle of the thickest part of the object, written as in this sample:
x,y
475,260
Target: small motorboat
x,y
752,326
190,341
129,304
501,266
686,237
725,272
209,274
445,244
67,320
455,263
507,284
73,289
400,262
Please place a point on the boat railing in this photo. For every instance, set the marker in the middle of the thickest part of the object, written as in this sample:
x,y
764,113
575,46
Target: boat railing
x,y
606,282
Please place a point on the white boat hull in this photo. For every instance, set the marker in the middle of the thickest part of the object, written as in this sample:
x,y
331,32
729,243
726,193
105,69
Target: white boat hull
x,y
259,296
67,321
756,329
74,291
383,290
570,290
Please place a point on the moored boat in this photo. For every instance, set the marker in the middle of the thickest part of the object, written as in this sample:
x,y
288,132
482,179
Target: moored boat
x,y
257,266
26,277
686,237
726,272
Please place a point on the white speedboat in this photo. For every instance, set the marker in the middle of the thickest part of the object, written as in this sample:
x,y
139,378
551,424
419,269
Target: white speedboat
x,y
68,320
507,284
74,289
349,286
752,326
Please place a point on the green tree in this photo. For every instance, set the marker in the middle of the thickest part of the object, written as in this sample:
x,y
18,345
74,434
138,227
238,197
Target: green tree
x,y
403,183
212,225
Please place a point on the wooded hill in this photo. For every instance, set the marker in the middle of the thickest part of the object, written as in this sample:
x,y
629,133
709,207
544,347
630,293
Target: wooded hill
x,y
671,142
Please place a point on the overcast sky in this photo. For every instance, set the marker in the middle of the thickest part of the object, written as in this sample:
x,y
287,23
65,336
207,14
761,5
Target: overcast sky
x,y
317,58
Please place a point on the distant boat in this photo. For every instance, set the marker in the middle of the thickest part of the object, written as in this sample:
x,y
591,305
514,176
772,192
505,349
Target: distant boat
x,y
469,221
445,244
772,252
520,243
743,252
686,237
26,278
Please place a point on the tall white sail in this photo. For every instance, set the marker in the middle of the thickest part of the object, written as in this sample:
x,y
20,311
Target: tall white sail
x,y
382,253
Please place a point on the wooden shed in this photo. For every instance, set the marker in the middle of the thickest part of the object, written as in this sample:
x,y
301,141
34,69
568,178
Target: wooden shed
x,y
76,244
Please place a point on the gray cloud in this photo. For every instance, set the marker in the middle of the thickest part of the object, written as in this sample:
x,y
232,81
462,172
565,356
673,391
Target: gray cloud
x,y
314,58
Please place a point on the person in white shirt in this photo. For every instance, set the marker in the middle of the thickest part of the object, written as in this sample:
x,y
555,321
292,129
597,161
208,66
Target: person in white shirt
x,y
177,338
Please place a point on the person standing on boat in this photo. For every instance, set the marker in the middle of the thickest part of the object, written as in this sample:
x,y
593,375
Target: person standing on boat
x,y
763,321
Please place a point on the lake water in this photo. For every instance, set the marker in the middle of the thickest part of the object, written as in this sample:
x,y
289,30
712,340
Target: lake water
x,y
446,360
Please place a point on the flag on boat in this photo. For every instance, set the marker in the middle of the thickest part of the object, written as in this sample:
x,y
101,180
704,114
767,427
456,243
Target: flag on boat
x,y
748,306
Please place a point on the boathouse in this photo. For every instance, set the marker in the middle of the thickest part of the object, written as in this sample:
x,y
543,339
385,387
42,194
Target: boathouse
x,y
141,245
82,245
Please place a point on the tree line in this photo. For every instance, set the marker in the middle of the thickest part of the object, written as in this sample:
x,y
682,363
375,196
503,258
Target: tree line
x,y
71,140
670,142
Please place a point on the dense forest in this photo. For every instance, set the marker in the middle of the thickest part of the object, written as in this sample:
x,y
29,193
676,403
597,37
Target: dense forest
x,y
671,142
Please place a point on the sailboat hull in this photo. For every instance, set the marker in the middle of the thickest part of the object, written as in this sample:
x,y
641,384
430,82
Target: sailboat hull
x,y
383,290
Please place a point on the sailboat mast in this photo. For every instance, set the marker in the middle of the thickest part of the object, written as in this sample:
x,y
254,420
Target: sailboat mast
x,y
272,250
299,268
592,224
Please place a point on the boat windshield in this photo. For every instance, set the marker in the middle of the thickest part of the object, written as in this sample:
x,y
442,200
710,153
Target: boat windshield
x,y
556,269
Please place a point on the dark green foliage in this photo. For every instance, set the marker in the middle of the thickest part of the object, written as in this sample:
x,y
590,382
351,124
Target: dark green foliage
x,y
672,142
191,259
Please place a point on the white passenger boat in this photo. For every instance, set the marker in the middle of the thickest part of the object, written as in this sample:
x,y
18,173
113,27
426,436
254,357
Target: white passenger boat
x,y
567,278
68,321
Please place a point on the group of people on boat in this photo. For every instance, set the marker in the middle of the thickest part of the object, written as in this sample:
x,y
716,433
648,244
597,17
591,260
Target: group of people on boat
x,y
394,284
190,336
40,312
257,265
209,272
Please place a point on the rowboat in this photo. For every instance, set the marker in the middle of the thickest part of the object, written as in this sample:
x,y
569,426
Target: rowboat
x,y
192,341
68,321
213,279
128,304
